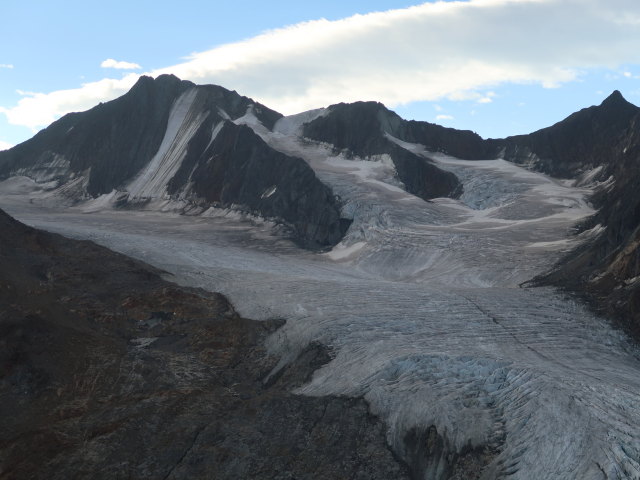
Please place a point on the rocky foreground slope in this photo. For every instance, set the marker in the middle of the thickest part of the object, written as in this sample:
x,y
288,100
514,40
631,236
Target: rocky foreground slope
x,y
107,371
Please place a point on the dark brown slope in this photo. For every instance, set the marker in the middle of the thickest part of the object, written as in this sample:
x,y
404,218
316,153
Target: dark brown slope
x,y
85,391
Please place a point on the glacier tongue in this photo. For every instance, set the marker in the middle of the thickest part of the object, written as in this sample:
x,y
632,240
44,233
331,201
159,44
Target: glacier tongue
x,y
421,306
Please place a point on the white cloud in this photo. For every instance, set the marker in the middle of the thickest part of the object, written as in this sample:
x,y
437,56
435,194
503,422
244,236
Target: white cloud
x,y
487,98
5,145
627,74
6,65
444,117
443,50
111,63
40,109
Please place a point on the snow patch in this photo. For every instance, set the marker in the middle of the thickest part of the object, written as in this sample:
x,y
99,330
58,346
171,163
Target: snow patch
x,y
251,120
292,125
50,167
341,252
269,191
102,202
588,177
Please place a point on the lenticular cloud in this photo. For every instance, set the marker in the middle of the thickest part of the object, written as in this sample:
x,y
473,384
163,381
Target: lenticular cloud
x,y
454,50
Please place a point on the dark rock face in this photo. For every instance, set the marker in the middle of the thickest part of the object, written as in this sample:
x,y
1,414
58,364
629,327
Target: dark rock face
x,y
582,141
605,271
169,127
458,143
107,371
430,456
359,129
226,173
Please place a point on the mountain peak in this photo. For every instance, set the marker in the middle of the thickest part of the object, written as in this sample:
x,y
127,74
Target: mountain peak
x,y
163,81
615,99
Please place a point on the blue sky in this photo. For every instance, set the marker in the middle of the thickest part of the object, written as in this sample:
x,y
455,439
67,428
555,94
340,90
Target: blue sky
x,y
498,67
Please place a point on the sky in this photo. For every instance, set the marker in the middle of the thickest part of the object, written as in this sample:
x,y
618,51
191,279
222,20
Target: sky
x,y
496,67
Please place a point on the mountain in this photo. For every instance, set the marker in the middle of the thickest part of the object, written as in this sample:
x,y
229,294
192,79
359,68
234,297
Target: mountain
x,y
108,371
571,148
170,140
597,146
583,141
171,144
567,149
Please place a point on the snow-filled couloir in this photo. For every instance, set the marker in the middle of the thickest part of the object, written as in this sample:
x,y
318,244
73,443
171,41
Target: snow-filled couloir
x,y
422,308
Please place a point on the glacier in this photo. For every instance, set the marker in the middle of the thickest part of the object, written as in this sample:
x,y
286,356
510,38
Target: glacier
x,y
421,303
